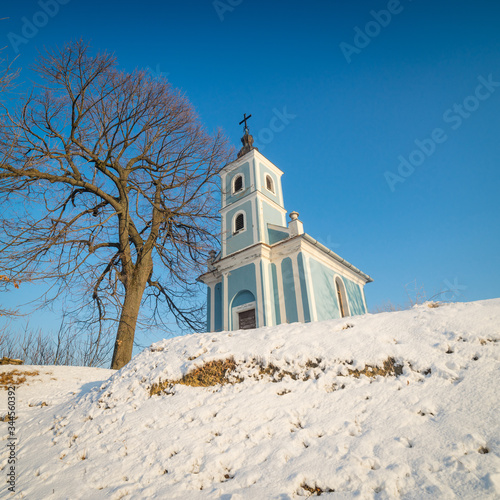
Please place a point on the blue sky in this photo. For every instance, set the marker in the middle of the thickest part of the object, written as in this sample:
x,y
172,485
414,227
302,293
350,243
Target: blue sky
x,y
345,114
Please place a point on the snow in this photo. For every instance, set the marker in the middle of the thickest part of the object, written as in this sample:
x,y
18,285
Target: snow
x,y
430,432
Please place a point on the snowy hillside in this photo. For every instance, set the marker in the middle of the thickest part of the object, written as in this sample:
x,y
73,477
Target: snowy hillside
x,y
392,405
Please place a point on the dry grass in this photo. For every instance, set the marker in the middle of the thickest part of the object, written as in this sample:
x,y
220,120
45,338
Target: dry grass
x,y
15,377
389,368
223,371
277,374
315,490
433,305
10,361
209,374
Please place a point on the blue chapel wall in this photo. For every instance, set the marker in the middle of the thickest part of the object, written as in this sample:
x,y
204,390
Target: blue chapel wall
x,y
242,279
218,308
209,307
303,287
235,242
355,297
263,170
289,290
243,169
325,294
275,295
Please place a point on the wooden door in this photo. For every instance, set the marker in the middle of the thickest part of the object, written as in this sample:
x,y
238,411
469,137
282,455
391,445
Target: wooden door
x,y
246,320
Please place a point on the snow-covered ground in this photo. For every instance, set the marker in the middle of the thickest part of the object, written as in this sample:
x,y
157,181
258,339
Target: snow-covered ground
x,y
297,420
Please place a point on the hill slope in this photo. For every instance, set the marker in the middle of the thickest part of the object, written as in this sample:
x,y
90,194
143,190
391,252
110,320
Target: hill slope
x,y
393,405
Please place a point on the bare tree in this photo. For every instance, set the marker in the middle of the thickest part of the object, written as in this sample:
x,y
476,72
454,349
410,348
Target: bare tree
x,y
111,180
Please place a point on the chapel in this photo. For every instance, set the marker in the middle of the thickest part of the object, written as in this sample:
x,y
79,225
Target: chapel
x,y
268,272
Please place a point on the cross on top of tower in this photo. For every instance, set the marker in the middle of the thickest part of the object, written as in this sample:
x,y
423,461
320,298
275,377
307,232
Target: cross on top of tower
x,y
245,118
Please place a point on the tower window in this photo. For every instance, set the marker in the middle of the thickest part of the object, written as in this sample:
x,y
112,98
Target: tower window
x,y
239,223
269,183
238,184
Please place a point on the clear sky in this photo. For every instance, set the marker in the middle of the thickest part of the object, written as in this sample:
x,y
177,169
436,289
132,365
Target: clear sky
x,y
383,115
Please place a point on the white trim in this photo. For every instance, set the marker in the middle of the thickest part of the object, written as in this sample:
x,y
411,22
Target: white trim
x,y
234,232
252,154
343,292
269,305
281,294
239,309
260,215
312,297
253,173
223,235
268,163
233,182
254,220
280,196
212,307
225,312
259,316
251,195
298,288
276,227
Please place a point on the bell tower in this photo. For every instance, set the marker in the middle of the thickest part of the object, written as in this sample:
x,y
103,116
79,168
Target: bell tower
x,y
252,198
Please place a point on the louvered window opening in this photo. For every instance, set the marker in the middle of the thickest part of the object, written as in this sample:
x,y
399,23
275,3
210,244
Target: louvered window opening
x,y
239,223
269,184
238,184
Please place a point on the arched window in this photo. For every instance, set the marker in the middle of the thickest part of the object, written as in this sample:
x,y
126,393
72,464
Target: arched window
x,y
238,183
239,223
269,183
341,297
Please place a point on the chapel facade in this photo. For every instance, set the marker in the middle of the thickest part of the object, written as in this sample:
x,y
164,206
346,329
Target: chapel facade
x,y
268,272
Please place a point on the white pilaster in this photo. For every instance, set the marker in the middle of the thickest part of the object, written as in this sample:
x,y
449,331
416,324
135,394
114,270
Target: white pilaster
x,y
211,326
281,294
311,296
298,288
225,305
260,302
269,303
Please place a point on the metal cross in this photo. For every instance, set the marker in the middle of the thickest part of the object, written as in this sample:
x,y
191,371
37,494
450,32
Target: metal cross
x,y
245,118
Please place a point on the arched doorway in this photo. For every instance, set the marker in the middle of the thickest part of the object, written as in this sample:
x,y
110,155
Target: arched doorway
x,y
243,311
341,297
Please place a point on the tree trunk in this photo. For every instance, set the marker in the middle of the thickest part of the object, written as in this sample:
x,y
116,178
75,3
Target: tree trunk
x,y
124,343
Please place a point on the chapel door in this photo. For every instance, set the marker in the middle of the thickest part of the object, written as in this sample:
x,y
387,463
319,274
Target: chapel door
x,y
246,320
